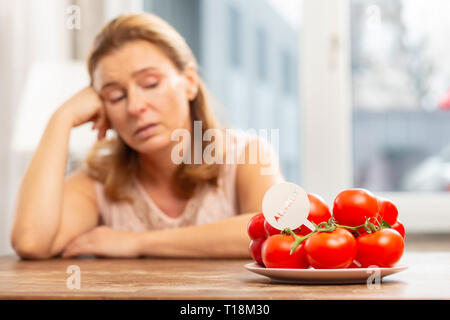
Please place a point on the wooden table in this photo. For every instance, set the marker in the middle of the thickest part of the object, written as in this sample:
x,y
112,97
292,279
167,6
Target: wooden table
x,y
428,277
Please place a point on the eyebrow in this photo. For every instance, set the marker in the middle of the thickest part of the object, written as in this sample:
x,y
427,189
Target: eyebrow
x,y
135,73
143,70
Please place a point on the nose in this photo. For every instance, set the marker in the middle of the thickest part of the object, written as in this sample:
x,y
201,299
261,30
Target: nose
x,y
136,102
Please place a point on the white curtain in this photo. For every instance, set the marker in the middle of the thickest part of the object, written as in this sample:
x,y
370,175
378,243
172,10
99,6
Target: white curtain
x,y
30,31
33,31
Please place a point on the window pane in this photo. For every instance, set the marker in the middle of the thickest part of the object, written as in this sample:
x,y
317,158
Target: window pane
x,y
248,60
261,54
401,95
234,36
288,69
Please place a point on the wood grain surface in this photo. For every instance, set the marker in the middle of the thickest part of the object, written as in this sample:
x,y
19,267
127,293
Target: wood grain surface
x,y
428,277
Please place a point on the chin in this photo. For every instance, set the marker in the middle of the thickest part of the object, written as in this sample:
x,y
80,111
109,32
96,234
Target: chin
x,y
153,144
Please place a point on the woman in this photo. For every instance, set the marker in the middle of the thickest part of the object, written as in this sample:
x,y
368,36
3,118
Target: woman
x,y
131,199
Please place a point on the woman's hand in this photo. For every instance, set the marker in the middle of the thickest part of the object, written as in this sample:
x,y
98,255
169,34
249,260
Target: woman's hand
x,y
104,241
85,106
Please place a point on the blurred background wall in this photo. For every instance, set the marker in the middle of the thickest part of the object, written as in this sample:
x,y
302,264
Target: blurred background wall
x,y
249,68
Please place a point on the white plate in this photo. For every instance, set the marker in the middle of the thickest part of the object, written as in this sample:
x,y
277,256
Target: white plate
x,y
323,276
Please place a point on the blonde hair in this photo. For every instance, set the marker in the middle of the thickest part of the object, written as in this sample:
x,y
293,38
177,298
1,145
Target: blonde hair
x,y
111,161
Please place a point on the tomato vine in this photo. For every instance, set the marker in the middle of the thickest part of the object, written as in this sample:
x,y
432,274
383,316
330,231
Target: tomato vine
x,y
331,225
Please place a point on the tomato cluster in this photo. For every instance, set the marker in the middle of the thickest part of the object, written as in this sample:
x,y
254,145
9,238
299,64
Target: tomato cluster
x,y
362,231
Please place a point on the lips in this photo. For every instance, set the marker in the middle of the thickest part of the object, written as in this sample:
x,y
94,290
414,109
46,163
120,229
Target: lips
x,y
146,130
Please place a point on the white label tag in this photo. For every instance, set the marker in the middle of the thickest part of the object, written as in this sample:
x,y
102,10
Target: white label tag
x,y
286,205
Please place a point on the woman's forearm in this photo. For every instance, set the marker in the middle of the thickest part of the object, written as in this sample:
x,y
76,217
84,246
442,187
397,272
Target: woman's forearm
x,y
222,239
39,198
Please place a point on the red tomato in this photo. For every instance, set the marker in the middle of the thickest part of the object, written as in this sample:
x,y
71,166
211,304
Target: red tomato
x,y
270,231
352,206
255,249
276,249
388,210
383,248
255,227
331,250
398,225
318,212
304,230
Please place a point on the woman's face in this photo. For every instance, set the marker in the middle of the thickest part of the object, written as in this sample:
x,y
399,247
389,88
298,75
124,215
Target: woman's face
x,y
145,96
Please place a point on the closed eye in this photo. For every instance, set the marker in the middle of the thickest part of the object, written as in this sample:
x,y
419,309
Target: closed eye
x,y
117,99
150,86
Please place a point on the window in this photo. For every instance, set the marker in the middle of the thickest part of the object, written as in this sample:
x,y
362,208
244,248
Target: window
x,y
235,41
184,16
287,72
241,65
400,78
261,54
375,81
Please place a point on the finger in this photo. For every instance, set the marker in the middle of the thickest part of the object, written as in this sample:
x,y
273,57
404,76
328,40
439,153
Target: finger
x,y
76,250
103,129
71,249
76,245
100,135
100,118
102,123
95,122
69,252
96,125
107,123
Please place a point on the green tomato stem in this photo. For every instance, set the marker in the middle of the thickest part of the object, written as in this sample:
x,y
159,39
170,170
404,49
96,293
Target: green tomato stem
x,y
299,240
330,226
349,227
